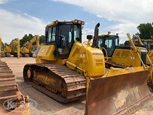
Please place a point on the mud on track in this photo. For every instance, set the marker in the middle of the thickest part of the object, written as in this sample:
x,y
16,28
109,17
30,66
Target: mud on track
x,y
47,106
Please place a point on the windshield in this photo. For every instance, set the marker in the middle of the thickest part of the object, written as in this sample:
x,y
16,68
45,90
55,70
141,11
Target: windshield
x,y
108,42
70,31
63,36
67,34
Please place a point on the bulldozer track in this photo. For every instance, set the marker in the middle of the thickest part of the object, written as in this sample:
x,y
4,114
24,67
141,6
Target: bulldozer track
x,y
10,93
8,87
71,85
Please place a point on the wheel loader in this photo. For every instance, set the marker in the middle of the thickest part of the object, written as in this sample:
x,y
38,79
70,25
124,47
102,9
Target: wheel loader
x,y
67,69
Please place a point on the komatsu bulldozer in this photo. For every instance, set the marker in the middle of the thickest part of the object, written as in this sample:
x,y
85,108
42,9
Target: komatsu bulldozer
x,y
2,53
7,50
67,69
27,49
127,55
147,43
12,101
13,48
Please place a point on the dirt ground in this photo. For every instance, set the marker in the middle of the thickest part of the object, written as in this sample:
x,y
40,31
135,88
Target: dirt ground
x,y
46,106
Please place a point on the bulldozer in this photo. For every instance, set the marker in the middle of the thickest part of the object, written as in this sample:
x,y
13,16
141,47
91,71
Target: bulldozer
x,y
27,49
12,101
13,48
67,70
147,43
7,50
2,53
130,54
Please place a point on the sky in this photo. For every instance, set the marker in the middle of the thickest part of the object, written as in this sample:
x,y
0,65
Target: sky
x,y
20,17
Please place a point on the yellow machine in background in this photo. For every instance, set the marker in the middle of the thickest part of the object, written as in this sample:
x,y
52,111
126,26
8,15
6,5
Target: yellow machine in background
x,y
27,49
147,43
67,70
12,101
7,50
4,48
13,48
127,55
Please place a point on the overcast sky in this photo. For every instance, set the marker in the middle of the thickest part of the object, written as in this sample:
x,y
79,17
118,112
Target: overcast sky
x,y
20,17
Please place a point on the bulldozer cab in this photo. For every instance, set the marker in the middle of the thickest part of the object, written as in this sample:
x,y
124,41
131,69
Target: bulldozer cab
x,y
62,35
108,42
148,44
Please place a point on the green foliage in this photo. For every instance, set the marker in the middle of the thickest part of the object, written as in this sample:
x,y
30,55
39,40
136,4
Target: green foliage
x,y
42,39
145,30
29,37
25,39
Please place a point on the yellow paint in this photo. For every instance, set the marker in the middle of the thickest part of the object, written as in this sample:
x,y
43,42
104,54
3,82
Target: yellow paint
x,y
45,79
90,60
18,48
46,53
27,47
29,73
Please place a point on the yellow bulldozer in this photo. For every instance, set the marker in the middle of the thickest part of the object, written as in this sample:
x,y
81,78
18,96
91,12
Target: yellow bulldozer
x,y
67,70
2,53
147,43
27,49
7,50
13,48
127,55
12,101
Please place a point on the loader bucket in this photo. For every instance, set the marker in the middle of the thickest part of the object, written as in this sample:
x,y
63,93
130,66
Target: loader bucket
x,y
117,95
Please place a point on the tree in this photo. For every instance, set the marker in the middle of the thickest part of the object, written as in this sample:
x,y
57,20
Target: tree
x,y
42,39
25,39
145,30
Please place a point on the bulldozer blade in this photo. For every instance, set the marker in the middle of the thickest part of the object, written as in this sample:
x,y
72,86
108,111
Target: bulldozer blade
x,y
117,95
